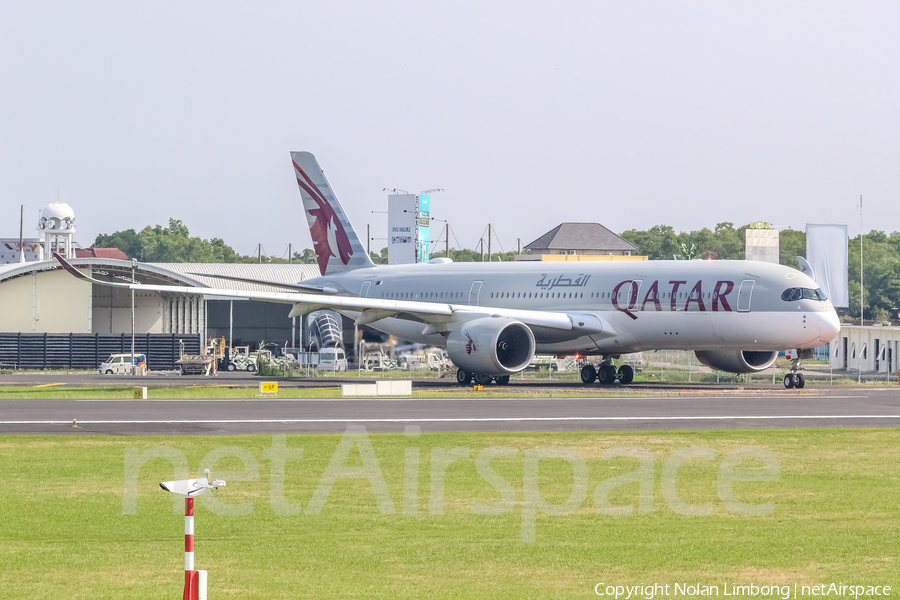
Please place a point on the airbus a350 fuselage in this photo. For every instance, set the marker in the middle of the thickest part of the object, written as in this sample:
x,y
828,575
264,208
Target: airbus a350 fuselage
x,y
710,305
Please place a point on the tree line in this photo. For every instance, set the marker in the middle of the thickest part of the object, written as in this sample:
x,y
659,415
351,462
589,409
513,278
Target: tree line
x,y
881,253
174,244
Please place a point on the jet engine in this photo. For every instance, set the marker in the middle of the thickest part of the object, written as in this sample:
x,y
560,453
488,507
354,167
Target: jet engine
x,y
491,346
737,361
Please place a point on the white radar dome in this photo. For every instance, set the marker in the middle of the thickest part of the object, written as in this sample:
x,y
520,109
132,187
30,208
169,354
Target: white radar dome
x,y
57,216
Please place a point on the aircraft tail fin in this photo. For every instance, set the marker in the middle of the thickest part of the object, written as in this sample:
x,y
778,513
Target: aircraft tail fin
x,y
335,243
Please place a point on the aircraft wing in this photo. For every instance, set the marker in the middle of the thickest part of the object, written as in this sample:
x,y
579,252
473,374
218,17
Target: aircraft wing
x,y
300,287
438,317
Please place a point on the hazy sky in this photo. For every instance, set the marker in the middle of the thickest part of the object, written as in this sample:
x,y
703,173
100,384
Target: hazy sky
x,y
528,114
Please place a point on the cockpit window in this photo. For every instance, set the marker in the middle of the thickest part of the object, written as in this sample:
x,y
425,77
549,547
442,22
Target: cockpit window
x,y
792,294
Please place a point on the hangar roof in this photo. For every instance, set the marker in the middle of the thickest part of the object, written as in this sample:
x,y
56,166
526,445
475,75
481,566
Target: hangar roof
x,y
178,273
277,272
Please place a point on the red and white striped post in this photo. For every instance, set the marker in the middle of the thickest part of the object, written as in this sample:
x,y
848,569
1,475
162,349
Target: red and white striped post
x,y
191,577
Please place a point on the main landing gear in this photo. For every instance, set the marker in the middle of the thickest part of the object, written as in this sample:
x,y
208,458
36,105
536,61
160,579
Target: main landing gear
x,y
795,379
466,378
605,373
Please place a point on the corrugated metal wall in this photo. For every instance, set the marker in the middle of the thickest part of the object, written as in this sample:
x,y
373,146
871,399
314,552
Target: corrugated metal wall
x,y
86,351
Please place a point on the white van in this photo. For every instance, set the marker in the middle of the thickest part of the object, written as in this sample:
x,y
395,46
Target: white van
x,y
332,359
120,364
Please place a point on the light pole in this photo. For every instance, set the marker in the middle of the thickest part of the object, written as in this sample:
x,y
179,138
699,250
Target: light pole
x,y
133,282
862,314
446,236
369,230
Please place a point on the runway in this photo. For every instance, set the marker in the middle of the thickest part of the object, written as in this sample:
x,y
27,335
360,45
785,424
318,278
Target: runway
x,y
876,407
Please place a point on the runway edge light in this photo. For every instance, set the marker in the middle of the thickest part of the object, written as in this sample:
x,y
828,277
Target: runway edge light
x,y
194,581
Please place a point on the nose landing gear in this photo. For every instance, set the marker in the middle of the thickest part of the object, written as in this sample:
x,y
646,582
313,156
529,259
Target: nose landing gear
x,y
795,379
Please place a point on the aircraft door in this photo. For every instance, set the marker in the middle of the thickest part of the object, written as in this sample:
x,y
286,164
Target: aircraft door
x,y
474,293
744,294
364,291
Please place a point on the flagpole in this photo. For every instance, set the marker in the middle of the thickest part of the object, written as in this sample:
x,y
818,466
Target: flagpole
x,y
862,321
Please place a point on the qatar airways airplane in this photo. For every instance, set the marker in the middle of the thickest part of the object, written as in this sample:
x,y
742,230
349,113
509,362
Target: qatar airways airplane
x,y
494,317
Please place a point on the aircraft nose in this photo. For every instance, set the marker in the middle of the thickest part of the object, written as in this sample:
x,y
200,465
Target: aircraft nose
x,y
829,326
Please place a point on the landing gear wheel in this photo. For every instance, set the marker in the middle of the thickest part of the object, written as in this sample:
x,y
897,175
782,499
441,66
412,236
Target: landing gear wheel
x,y
626,374
481,379
463,377
795,378
588,374
606,374
231,367
503,380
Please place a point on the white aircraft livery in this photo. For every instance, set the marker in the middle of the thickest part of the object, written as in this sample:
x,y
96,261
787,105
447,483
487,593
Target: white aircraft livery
x,y
494,317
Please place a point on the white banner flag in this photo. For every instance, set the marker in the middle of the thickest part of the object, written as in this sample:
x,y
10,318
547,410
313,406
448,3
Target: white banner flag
x,y
402,228
826,252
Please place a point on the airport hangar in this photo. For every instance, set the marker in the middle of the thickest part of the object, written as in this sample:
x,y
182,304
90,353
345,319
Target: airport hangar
x,y
38,298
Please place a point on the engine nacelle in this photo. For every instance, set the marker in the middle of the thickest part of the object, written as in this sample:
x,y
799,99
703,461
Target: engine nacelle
x,y
737,361
491,346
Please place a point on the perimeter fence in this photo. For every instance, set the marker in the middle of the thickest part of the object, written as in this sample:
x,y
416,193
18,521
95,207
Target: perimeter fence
x,y
87,351
664,366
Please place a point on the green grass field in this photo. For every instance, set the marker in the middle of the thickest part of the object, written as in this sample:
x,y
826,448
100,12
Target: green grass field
x,y
66,528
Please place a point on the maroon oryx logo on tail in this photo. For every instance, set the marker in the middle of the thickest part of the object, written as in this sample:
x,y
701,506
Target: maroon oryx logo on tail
x,y
327,231
470,345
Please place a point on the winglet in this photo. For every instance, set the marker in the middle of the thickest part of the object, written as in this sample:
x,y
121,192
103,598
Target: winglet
x,y
76,273
68,267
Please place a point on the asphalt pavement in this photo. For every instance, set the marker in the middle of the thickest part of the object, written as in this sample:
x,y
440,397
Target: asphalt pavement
x,y
684,408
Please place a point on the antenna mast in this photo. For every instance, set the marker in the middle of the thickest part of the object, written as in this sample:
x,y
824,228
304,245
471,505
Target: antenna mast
x,y
21,233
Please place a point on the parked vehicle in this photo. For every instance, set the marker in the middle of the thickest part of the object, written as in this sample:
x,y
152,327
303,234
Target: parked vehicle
x,y
120,364
241,359
438,359
332,359
196,364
